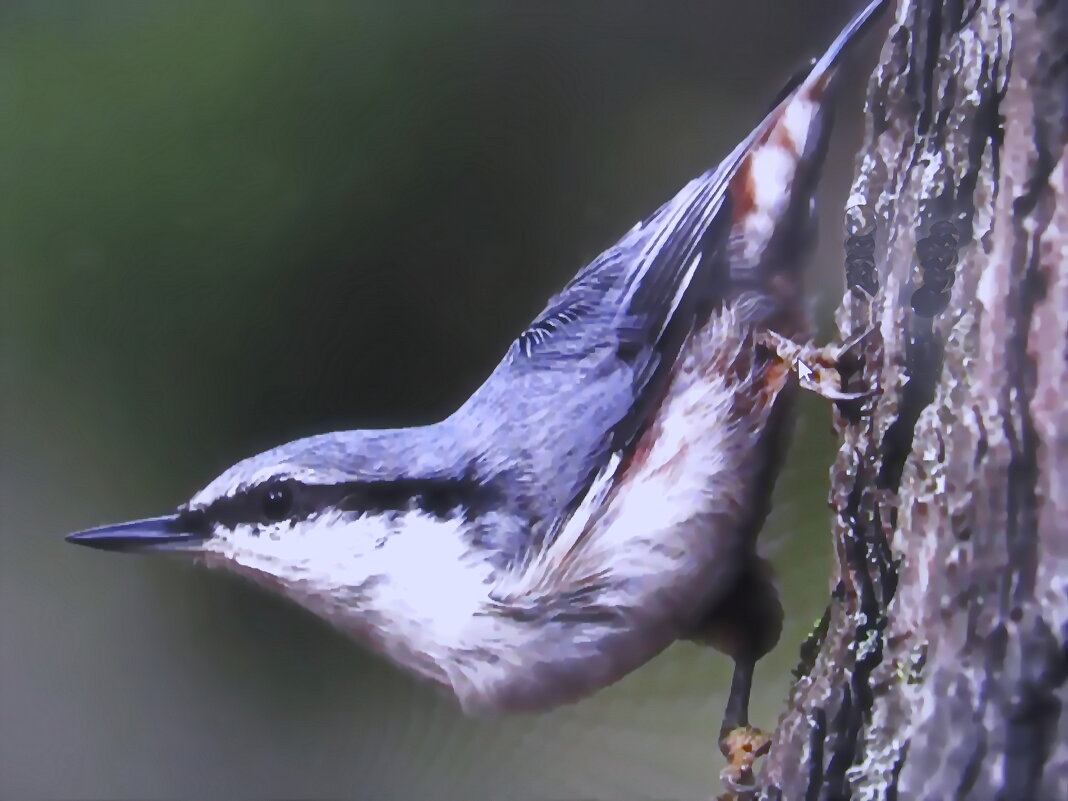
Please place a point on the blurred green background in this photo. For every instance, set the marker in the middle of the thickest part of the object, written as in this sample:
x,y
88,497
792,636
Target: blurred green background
x,y
228,224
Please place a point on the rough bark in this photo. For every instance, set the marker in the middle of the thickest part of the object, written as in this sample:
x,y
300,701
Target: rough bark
x,y
941,672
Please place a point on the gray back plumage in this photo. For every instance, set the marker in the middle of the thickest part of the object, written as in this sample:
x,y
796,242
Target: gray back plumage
x,y
582,380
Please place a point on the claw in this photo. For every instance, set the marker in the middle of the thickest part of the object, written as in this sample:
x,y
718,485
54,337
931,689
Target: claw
x,y
817,368
742,747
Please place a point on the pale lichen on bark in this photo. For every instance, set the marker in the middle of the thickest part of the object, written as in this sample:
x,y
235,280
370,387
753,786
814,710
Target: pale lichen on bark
x,y
943,670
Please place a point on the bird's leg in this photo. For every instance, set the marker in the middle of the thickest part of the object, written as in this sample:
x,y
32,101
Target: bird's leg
x,y
739,742
745,624
736,713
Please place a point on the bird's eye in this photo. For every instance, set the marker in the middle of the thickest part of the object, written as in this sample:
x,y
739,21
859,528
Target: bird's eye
x,y
277,502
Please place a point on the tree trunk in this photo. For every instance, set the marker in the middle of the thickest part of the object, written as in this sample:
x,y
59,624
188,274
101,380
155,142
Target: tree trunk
x,y
940,672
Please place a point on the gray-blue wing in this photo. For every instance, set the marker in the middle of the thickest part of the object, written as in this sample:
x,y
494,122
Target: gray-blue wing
x,y
582,381
635,304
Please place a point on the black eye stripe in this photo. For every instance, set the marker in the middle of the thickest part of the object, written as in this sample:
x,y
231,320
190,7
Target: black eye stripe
x,y
277,502
292,500
194,521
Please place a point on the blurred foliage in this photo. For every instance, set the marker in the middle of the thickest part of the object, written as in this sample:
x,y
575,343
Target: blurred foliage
x,y
227,224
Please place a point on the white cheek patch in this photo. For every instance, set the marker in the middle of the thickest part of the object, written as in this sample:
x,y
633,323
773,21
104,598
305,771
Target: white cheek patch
x,y
317,550
411,578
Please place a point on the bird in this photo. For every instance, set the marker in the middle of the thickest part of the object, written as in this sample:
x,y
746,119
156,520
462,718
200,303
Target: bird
x,y
599,496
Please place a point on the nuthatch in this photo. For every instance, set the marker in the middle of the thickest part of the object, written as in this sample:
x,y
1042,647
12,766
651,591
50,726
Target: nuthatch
x,y
599,496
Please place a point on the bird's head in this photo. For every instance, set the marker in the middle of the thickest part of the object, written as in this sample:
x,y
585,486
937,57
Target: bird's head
x,y
363,528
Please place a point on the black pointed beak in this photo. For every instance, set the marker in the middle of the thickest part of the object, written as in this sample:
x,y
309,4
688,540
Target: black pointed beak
x,y
152,534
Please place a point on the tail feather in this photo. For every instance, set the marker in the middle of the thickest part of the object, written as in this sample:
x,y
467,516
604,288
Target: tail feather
x,y
772,185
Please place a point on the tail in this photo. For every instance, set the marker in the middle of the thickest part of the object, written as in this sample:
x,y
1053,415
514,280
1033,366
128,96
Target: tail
x,y
775,174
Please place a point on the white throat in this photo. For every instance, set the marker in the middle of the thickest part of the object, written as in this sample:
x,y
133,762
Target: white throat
x,y
409,585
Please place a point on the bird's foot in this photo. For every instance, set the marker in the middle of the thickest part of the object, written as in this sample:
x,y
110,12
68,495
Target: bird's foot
x,y
742,746
817,368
